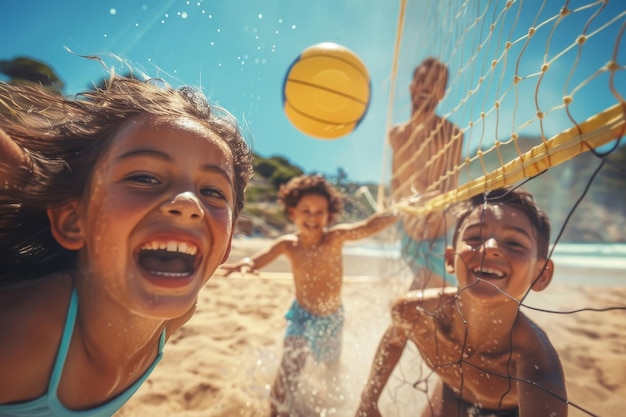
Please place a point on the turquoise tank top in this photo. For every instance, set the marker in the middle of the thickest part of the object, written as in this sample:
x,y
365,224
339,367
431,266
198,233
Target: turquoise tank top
x,y
48,405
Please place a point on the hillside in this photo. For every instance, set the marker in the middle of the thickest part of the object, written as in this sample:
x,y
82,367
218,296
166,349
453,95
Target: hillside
x,y
601,213
599,217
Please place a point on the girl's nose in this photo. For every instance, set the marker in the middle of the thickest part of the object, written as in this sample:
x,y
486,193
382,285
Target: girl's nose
x,y
184,205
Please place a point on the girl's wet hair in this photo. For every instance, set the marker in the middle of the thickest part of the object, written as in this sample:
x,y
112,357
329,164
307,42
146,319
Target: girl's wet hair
x,y
290,193
64,138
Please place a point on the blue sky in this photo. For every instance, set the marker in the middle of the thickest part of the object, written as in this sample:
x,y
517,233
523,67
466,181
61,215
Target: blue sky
x,y
238,52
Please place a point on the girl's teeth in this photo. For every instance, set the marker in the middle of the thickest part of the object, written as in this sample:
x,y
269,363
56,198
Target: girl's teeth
x,y
171,247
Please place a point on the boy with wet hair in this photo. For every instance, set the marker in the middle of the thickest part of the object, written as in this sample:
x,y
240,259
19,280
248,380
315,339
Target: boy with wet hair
x,y
490,358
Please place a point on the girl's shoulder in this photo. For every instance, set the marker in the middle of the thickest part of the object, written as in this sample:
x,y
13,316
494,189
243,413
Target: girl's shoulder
x,y
32,317
35,302
36,287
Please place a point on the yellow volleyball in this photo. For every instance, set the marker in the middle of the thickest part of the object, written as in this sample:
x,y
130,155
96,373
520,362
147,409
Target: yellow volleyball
x,y
326,91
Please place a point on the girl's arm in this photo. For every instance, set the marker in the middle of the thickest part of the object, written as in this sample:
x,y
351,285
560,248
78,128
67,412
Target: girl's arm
x,y
260,259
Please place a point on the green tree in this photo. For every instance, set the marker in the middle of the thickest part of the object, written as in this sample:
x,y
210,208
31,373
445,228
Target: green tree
x,y
28,70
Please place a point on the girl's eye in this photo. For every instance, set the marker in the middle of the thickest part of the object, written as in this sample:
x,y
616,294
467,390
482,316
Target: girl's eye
x,y
144,178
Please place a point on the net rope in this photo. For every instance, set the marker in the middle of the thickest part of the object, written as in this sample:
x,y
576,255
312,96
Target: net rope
x,y
532,87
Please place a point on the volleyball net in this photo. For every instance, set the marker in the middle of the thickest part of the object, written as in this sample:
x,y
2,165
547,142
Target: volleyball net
x,y
531,85
534,97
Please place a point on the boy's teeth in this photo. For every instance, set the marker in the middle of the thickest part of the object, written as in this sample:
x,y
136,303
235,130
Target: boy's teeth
x,y
488,271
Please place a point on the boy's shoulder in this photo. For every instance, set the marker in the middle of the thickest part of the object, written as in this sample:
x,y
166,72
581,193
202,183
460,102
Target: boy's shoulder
x,y
428,294
285,242
417,301
528,335
536,356
288,238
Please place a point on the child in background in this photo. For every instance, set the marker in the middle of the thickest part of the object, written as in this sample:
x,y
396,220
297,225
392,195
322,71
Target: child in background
x,y
315,251
116,208
490,358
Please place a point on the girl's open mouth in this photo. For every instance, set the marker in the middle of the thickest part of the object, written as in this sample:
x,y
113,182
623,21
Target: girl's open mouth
x,y
170,259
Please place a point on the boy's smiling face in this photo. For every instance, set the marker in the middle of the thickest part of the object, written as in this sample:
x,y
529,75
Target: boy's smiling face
x,y
157,218
311,214
497,247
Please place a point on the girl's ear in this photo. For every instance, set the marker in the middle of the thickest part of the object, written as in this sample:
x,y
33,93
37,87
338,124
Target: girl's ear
x,y
545,276
65,226
449,259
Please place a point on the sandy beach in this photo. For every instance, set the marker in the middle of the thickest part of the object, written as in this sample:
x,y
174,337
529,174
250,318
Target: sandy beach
x,y
221,363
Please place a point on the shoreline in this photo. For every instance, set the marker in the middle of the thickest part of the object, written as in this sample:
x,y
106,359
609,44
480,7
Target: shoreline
x,y
366,259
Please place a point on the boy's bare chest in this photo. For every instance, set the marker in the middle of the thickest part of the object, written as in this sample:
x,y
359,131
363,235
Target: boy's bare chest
x,y
326,253
476,376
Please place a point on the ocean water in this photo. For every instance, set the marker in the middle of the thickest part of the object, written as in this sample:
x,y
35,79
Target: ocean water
x,y
575,263
596,255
